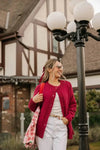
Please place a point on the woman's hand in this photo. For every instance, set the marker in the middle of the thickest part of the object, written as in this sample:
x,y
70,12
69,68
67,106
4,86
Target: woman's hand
x,y
65,120
38,98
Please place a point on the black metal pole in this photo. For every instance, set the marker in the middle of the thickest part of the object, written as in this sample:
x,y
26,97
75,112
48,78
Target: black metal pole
x,y
83,126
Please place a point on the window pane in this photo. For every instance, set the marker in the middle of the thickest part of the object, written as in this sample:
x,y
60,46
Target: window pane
x,y
55,46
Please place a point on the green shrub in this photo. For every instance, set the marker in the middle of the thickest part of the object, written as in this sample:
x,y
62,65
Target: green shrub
x,y
94,119
27,116
94,134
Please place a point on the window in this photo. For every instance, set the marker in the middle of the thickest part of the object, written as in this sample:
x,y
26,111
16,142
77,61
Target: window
x,y
55,46
5,103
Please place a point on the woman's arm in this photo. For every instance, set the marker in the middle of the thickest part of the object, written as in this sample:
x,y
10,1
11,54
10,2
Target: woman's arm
x,y
32,105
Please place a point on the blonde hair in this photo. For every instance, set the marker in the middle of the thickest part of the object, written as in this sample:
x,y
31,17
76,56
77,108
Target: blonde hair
x,y
49,64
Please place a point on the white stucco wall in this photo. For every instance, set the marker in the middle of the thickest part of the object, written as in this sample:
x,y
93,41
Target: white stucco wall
x,y
1,72
41,60
69,13
31,62
89,81
41,38
50,5
53,57
93,80
61,4
73,81
24,64
62,47
28,37
41,14
10,59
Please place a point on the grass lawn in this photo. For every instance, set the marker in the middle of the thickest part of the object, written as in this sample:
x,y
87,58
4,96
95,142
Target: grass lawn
x,y
93,146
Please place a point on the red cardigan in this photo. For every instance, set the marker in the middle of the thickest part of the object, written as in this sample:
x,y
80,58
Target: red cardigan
x,y
67,101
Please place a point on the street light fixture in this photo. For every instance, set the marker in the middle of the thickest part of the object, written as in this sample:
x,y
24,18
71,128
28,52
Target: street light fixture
x,y
77,32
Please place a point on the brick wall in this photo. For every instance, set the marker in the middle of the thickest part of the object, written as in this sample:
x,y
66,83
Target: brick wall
x,y
13,100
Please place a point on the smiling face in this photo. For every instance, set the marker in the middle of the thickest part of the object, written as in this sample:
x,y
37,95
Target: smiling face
x,y
56,70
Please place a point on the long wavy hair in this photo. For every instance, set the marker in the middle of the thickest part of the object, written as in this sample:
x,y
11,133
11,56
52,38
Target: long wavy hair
x,y
49,64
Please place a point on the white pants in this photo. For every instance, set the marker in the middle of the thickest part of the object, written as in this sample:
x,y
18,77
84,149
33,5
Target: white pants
x,y
55,136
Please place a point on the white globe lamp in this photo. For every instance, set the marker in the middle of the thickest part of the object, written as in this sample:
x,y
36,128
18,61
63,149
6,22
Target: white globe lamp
x,y
83,11
96,21
73,3
56,20
71,27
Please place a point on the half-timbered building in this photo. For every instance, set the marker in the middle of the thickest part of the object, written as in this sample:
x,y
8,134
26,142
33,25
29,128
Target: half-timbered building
x,y
25,45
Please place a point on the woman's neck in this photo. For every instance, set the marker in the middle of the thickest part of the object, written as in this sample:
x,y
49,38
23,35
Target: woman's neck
x,y
54,82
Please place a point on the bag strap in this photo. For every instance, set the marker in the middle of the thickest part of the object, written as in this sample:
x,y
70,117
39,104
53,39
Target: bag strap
x,y
41,87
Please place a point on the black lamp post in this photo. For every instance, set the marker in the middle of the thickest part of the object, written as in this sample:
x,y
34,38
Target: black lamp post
x,y
77,32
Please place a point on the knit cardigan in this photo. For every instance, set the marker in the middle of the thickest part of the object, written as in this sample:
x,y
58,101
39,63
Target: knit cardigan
x,y
67,101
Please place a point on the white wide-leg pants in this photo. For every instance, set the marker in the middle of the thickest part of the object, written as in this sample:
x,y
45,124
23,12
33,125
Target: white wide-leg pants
x,y
55,136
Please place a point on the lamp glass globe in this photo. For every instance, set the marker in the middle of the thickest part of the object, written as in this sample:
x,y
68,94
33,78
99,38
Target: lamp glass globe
x,y
96,21
56,20
83,11
71,27
73,3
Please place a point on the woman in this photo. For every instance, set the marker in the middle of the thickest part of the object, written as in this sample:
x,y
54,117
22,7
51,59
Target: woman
x,y
58,107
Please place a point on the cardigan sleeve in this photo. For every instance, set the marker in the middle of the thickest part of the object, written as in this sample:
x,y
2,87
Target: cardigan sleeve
x,y
72,105
32,106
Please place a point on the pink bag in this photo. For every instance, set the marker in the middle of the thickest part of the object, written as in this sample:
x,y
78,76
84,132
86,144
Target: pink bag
x,y
29,138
